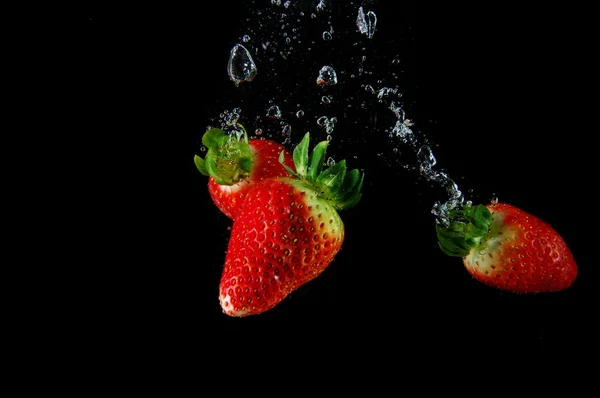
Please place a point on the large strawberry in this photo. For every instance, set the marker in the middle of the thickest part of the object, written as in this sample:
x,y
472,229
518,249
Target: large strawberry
x,y
234,164
508,248
287,232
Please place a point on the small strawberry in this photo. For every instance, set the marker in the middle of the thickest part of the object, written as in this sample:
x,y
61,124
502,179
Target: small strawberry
x,y
234,164
508,248
287,232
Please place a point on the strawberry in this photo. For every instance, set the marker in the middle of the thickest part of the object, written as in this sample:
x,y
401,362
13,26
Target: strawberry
x,y
287,232
234,164
508,248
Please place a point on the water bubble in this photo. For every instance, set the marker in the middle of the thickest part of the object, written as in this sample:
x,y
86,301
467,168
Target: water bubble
x,y
300,114
241,66
230,118
326,100
330,161
274,112
327,123
327,76
245,38
366,22
258,131
327,36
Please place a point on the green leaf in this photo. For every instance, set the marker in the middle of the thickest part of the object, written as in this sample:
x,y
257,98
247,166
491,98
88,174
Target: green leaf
x,y
199,162
352,196
350,180
332,178
214,138
465,229
300,155
228,158
317,160
211,167
289,169
334,184
245,164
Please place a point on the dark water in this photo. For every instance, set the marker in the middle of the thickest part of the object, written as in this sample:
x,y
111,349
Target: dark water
x,y
488,89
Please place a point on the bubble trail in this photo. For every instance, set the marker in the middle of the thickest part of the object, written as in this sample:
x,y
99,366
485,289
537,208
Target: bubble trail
x,y
241,66
427,161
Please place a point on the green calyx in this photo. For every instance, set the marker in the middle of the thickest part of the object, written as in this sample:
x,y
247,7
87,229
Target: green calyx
x,y
341,188
467,226
228,159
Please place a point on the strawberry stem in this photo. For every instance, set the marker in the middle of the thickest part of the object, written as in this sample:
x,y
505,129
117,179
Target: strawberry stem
x,y
334,183
228,159
467,226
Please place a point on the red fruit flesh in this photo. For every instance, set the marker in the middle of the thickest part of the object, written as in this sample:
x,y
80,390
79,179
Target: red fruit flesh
x,y
265,164
522,254
284,237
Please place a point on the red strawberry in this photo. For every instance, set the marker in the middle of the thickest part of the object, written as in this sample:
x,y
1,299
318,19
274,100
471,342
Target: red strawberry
x,y
234,164
508,248
287,232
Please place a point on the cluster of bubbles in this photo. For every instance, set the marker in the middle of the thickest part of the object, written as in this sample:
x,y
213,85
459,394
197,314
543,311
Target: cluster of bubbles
x,y
242,69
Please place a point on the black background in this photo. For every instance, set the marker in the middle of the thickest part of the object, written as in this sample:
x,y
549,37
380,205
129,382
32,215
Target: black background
x,y
492,87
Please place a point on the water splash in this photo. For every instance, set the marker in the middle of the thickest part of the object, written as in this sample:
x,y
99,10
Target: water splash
x,y
426,162
241,66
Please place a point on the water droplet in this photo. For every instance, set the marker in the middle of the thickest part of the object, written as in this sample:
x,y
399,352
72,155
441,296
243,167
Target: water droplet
x,y
326,100
245,38
366,22
327,76
327,36
241,66
258,132
300,114
330,161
